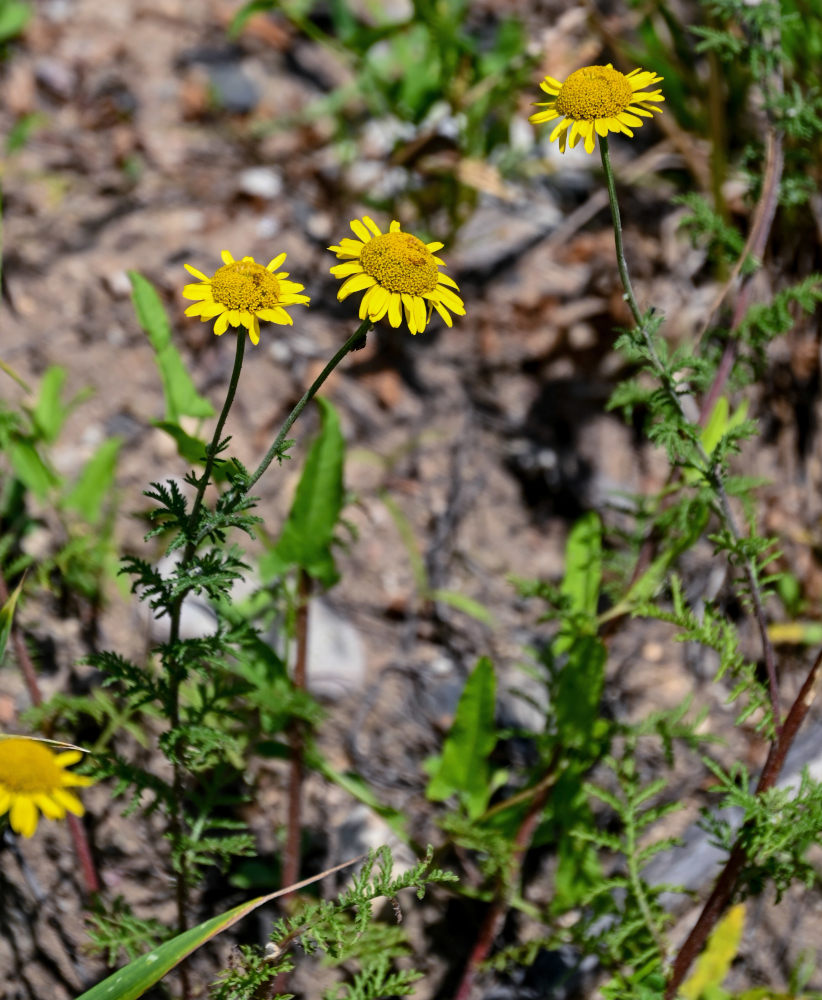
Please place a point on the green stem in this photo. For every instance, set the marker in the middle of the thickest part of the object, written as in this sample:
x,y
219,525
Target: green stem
x,y
211,450
275,451
176,672
620,250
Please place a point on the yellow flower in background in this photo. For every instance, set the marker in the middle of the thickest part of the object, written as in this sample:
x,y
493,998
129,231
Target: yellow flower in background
x,y
34,778
243,292
399,274
597,100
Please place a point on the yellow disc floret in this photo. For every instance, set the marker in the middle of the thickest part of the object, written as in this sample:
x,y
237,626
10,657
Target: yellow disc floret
x,y
399,275
596,100
245,284
400,263
594,92
243,292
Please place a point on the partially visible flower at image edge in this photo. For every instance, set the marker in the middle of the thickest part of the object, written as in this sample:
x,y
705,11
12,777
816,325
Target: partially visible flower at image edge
x,y
243,292
596,100
399,275
32,778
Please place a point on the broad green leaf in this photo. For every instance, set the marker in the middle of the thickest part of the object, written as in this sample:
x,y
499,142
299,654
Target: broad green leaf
x,y
7,618
30,468
716,425
96,481
50,412
134,979
578,689
720,423
583,574
583,565
190,448
182,399
307,534
715,961
463,767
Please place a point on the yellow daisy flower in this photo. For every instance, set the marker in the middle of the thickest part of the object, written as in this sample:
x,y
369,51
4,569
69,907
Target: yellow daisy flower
x,y
597,100
398,272
32,777
243,292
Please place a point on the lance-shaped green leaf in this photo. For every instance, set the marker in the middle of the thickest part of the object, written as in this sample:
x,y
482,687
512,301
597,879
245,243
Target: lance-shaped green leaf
x,y
306,537
182,399
463,769
134,979
583,576
95,482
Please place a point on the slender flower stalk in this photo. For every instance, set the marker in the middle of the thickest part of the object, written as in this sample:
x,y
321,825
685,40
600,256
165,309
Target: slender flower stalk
x,y
356,339
622,263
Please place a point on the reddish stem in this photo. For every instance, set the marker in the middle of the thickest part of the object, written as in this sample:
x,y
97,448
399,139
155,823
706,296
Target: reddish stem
x,y
722,892
497,908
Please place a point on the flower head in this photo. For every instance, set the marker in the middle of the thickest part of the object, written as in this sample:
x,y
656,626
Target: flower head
x,y
243,292
597,99
398,272
32,777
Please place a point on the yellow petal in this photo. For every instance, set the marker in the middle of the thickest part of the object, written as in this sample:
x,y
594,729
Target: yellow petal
x,y
360,231
226,257
395,310
443,312
197,274
550,85
375,229
23,816
627,119
68,801
449,300
563,125
221,325
420,313
273,264
355,284
197,292
344,270
48,807
378,304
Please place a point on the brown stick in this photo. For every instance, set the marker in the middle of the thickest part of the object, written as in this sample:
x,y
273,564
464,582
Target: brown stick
x,y
723,890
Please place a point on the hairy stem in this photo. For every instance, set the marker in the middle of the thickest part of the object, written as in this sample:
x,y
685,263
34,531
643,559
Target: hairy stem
x,y
177,671
356,339
709,468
